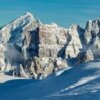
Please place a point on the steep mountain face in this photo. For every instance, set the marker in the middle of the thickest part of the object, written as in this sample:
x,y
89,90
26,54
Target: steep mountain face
x,y
74,46
92,36
31,49
15,39
59,42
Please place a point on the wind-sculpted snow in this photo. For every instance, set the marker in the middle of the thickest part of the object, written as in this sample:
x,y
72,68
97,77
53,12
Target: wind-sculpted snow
x,y
78,83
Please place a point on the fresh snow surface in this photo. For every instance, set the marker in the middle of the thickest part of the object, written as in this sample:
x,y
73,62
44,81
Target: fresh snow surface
x,y
78,83
61,71
5,78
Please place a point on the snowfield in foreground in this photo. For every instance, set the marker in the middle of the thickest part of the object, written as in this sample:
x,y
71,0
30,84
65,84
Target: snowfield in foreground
x,y
78,83
5,78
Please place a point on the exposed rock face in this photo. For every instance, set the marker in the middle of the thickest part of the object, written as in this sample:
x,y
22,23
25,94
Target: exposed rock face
x,y
52,40
74,46
40,68
85,56
31,49
92,37
2,63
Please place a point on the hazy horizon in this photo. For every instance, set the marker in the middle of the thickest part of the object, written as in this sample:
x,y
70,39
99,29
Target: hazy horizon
x,y
62,12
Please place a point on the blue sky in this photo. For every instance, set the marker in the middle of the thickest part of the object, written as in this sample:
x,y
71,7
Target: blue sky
x,y
62,12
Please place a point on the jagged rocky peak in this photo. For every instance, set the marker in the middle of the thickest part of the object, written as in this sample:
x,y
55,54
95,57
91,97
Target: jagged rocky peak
x,y
85,56
29,14
73,27
74,46
92,30
57,41
16,38
76,29
16,26
92,36
52,38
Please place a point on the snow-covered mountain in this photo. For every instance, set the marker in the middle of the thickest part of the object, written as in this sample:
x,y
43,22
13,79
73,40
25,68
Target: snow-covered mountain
x,y
31,49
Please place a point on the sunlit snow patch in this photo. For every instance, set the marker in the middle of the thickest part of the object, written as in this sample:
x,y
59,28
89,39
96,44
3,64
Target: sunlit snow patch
x,y
61,71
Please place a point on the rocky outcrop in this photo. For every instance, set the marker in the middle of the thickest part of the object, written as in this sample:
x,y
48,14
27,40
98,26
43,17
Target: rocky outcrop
x,y
92,37
2,63
52,40
85,56
31,49
39,68
74,46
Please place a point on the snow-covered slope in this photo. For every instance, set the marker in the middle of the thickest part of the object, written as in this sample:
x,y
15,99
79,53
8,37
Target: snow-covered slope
x,y
5,78
78,83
